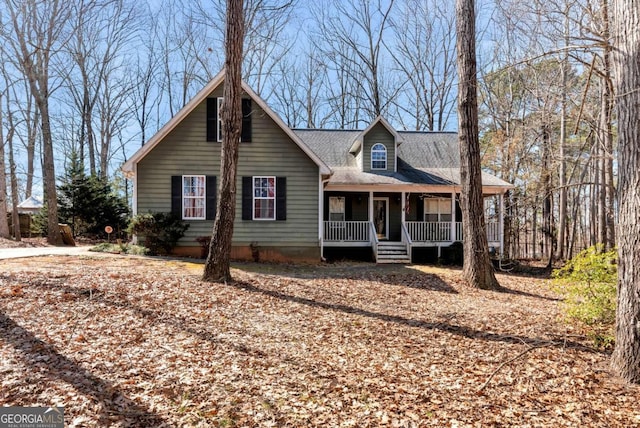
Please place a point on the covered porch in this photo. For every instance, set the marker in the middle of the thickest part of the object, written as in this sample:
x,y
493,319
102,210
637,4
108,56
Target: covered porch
x,y
393,223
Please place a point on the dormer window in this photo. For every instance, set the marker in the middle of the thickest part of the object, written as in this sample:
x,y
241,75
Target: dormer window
x,y
378,156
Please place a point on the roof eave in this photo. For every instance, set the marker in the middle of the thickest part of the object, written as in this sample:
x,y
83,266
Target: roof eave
x,y
128,168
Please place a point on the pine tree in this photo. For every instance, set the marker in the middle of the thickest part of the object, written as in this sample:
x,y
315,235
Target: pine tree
x,y
87,202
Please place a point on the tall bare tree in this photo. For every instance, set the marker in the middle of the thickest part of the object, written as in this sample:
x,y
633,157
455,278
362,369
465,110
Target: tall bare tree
x,y
424,53
4,225
37,28
352,34
626,66
477,267
216,267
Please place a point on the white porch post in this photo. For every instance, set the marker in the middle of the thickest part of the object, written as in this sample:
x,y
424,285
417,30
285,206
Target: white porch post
x,y
403,205
370,206
453,217
501,219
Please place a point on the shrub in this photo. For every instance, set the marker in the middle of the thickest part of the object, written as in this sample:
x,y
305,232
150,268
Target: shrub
x,y
88,203
588,282
160,231
107,247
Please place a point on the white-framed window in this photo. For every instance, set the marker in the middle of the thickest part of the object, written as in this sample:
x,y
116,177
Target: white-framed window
x,y
193,197
336,208
264,198
437,209
378,156
219,119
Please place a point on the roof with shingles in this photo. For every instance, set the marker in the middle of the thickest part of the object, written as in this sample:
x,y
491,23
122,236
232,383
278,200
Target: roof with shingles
x,y
430,158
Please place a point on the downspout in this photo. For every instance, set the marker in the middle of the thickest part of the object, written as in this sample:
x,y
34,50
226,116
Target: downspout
x,y
321,185
501,225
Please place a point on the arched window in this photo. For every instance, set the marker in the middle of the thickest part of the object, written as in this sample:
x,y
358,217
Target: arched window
x,y
378,156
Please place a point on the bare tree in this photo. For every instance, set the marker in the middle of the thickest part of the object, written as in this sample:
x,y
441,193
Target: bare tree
x,y
626,67
477,268
11,131
216,267
4,226
352,34
37,27
424,53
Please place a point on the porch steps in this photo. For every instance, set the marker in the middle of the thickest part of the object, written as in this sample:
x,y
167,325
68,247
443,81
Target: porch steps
x,y
392,252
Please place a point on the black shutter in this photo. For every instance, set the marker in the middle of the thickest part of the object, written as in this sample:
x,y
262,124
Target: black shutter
x,y
247,198
211,190
420,209
281,198
212,119
176,195
245,135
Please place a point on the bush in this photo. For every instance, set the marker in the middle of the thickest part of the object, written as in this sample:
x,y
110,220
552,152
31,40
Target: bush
x,y
160,231
588,282
107,247
88,203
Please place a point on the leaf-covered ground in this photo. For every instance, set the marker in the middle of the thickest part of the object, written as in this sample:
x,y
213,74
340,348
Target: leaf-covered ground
x,y
128,341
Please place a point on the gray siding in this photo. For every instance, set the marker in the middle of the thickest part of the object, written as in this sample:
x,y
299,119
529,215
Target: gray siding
x,y
185,151
378,134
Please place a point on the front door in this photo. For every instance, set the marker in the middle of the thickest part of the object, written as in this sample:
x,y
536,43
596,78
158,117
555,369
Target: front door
x,y
381,217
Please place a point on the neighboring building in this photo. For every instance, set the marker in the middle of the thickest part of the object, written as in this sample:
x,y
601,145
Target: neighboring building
x,y
31,205
303,192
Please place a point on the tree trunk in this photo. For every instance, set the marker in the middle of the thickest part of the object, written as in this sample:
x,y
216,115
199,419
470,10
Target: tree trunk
x,y
562,173
477,269
547,202
607,105
49,176
626,67
4,225
216,268
15,216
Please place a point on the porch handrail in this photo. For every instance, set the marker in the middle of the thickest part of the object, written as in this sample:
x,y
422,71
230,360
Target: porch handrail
x,y
406,238
374,239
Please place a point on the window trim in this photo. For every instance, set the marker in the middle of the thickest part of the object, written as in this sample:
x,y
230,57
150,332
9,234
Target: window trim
x,y
382,150
203,197
254,198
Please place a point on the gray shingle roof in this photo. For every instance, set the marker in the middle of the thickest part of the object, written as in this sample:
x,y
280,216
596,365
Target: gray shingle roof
x,y
430,158
332,146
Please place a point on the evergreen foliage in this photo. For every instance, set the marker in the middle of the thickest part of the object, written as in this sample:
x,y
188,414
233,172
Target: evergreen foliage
x,y
160,232
87,202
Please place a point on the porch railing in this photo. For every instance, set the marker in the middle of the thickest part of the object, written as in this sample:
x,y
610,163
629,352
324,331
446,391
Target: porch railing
x,y
346,231
374,240
429,231
416,231
440,231
493,231
406,238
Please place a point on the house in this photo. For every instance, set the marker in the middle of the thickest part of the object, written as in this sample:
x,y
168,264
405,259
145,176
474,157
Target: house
x,y
303,193
26,209
31,205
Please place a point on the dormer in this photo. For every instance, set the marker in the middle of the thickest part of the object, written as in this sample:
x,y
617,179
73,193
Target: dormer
x,y
376,147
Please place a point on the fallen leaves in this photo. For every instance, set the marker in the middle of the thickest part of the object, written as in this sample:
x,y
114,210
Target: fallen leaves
x,y
143,342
